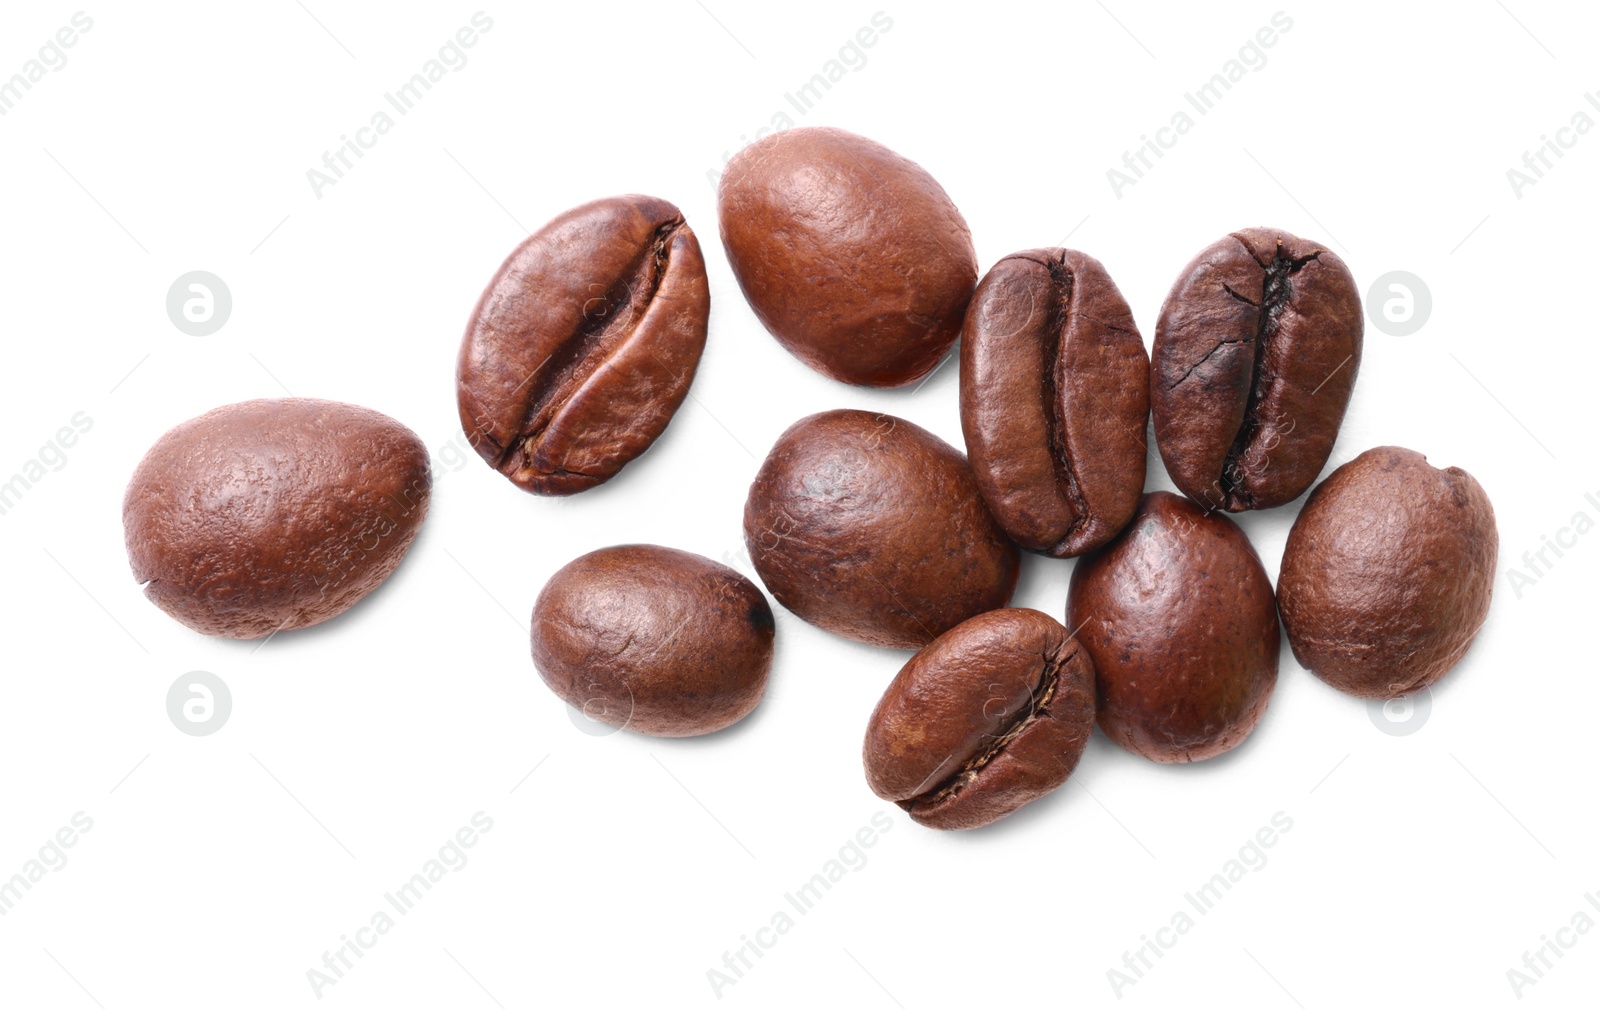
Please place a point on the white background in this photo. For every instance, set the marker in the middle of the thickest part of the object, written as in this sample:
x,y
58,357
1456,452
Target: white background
x,y
1419,868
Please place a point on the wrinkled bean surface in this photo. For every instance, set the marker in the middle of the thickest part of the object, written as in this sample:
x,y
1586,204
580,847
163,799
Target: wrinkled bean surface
x,y
273,514
1387,573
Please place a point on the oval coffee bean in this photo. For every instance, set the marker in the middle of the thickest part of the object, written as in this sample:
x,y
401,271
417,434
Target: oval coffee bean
x,y
990,716
584,344
273,514
868,526
1255,356
657,640
1387,573
1178,616
1054,398
851,255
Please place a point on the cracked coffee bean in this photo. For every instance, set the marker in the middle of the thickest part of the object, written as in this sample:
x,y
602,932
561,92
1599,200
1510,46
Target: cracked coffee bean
x,y
273,514
653,639
1054,398
1179,618
1255,356
870,527
1387,573
992,715
851,255
584,344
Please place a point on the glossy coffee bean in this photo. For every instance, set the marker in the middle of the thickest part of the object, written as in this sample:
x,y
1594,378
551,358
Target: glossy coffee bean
x,y
1054,398
1255,357
1387,573
584,344
851,255
656,640
273,514
991,715
868,526
1178,616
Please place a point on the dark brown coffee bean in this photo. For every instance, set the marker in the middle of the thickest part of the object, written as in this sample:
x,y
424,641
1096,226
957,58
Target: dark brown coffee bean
x,y
1387,573
868,526
657,640
852,256
990,716
1255,356
1178,616
1054,397
273,514
584,344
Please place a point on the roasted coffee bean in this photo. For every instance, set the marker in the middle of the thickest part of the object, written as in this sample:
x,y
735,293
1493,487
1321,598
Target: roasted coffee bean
x,y
657,640
868,526
1054,397
1178,616
990,716
1387,573
273,514
584,344
1255,356
851,255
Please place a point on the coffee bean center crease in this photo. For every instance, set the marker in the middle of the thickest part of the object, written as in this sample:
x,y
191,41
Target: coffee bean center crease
x,y
1276,289
609,319
1040,697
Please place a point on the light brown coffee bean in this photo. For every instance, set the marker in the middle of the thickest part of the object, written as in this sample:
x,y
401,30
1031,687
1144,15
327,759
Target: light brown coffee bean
x,y
991,715
851,255
273,514
1055,393
1178,616
1255,357
584,344
867,525
657,640
1387,573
